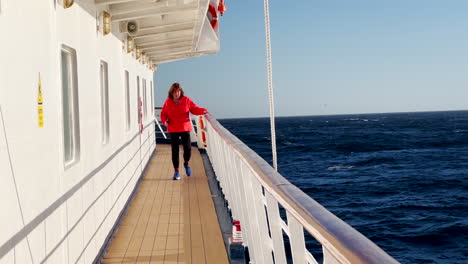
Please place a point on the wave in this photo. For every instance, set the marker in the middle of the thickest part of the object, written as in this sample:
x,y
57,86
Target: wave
x,y
340,167
374,161
435,234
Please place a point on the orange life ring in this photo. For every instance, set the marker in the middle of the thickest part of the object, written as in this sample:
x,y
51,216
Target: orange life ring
x,y
214,16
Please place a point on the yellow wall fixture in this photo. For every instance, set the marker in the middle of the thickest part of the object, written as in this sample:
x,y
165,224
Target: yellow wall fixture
x,y
68,3
40,108
130,44
138,53
106,23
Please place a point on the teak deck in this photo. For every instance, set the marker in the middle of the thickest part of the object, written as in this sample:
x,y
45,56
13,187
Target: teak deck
x,y
170,221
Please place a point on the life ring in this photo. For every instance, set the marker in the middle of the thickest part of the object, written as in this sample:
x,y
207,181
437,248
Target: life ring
x,y
214,16
221,7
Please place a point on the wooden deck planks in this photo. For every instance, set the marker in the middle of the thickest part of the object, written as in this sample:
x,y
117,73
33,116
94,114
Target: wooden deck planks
x,y
169,221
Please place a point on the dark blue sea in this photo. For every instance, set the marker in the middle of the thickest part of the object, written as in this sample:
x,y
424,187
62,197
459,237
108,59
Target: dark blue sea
x,y
401,179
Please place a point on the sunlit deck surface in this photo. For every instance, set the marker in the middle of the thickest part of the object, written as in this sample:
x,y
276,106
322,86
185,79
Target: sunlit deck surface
x,y
169,221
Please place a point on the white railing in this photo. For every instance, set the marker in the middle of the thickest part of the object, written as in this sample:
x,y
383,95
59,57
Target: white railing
x,y
255,192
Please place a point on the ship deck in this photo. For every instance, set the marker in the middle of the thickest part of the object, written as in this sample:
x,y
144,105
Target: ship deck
x,y
169,221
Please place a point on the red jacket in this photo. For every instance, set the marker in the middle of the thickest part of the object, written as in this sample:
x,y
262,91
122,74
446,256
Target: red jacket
x,y
177,114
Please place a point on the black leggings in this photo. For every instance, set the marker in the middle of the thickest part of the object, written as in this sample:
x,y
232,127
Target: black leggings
x,y
175,147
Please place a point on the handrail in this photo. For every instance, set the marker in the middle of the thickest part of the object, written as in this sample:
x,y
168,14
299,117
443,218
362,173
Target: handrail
x,y
340,241
157,112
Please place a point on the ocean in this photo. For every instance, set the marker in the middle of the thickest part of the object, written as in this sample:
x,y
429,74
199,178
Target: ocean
x,y
401,179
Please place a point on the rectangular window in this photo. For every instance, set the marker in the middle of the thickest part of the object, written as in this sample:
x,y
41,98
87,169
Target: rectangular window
x,y
127,99
70,109
145,112
138,100
104,102
152,100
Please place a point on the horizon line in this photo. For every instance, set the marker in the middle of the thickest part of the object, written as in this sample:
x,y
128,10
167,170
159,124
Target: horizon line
x,y
369,113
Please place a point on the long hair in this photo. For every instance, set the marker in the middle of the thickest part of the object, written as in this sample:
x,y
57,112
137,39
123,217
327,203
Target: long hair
x,y
175,87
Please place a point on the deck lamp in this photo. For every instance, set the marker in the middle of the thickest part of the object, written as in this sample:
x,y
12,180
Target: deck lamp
x,y
106,23
138,53
130,44
68,3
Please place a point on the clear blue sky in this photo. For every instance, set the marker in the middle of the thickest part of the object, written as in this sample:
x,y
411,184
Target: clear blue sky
x,y
332,57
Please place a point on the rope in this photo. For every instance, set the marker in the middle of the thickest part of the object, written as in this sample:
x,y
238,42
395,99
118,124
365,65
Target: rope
x,y
270,86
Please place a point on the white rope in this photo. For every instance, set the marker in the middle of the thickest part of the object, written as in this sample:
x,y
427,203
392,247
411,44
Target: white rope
x,y
270,86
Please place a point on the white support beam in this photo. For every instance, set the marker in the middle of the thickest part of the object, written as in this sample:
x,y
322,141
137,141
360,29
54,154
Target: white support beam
x,y
129,7
165,36
154,12
172,51
166,46
188,24
159,59
175,57
143,45
182,31
110,2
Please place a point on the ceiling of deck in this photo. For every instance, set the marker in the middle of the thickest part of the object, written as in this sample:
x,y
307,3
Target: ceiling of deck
x,y
169,30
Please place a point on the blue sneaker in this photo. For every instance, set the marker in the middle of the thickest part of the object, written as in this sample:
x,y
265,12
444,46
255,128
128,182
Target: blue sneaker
x,y
176,175
188,171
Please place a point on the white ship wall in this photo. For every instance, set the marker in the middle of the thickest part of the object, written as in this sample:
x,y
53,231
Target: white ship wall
x,y
49,213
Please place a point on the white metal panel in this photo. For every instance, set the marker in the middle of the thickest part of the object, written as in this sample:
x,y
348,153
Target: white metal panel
x,y
37,239
23,253
89,222
55,227
8,193
75,226
9,258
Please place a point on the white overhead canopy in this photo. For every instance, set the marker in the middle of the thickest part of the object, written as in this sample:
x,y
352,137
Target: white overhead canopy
x,y
167,30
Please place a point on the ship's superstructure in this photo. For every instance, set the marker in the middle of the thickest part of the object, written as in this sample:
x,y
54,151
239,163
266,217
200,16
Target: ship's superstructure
x,y
76,114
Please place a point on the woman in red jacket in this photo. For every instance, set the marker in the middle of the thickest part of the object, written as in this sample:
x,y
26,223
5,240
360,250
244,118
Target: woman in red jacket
x,y
175,116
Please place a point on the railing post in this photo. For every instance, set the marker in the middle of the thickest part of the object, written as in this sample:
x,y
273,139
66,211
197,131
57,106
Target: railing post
x,y
260,215
275,228
234,200
249,218
328,257
296,238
